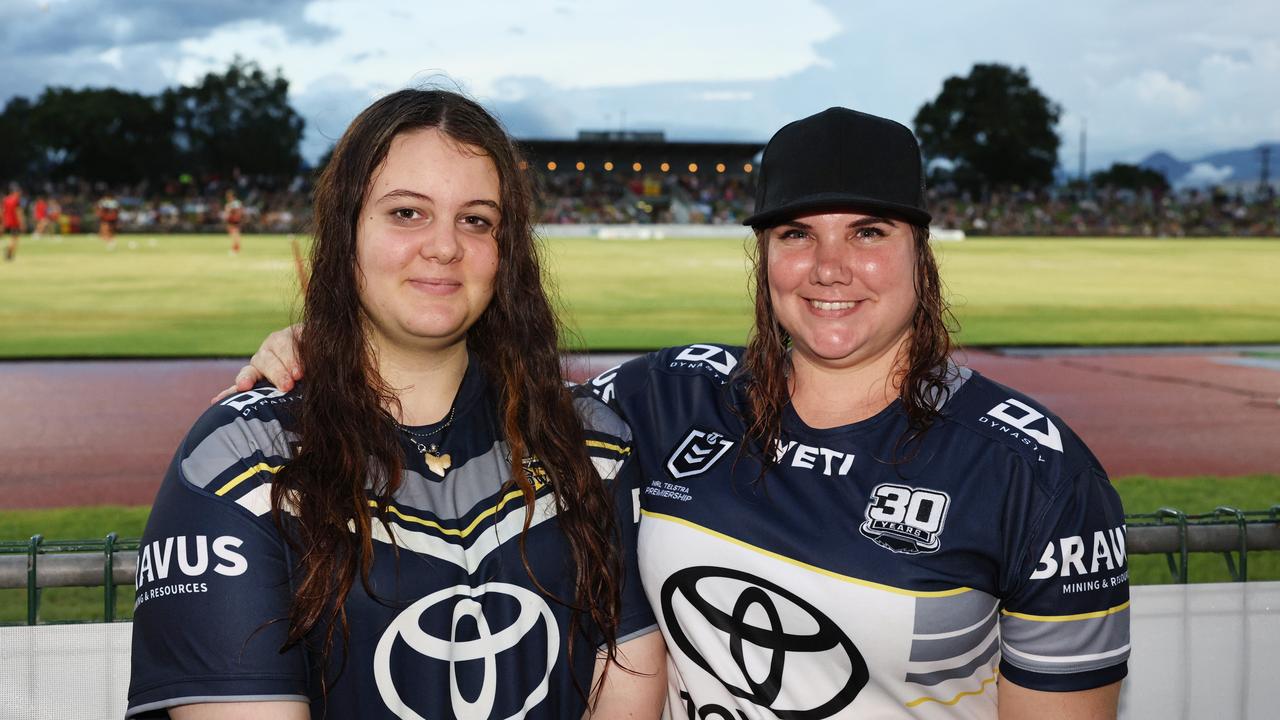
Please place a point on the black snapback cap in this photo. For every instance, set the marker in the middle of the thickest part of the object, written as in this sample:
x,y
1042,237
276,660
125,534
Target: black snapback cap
x,y
840,159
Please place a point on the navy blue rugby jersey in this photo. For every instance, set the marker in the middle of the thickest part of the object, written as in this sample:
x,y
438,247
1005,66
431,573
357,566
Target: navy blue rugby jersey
x,y
855,582
454,627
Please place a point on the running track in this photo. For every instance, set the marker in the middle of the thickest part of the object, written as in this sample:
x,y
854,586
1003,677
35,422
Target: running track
x,y
98,432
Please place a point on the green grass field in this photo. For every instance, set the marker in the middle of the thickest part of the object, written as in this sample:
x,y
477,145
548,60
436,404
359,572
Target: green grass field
x,y
186,296
1140,495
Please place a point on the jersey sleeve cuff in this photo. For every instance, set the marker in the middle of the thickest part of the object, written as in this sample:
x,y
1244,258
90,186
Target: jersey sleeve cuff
x,y
1063,683
156,701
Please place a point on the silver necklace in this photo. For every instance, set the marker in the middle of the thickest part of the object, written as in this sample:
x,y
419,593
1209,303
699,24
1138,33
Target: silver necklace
x,y
431,455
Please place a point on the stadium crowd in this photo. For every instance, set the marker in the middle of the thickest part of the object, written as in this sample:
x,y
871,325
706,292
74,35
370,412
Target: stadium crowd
x,y
589,197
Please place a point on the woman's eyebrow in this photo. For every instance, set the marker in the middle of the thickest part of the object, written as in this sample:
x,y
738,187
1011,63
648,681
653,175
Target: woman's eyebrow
x,y
402,193
414,195
869,220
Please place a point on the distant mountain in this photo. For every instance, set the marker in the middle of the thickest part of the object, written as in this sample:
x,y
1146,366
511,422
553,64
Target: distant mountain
x,y
1229,167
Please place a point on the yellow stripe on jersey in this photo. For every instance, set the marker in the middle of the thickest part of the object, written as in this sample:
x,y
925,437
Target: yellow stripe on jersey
x,y
959,696
609,446
1068,618
805,565
464,532
260,467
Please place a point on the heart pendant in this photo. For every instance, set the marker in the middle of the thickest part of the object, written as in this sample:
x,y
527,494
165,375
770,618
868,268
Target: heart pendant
x,y
437,463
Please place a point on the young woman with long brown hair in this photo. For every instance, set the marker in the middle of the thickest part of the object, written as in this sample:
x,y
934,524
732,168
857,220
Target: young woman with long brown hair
x,y
842,521
432,525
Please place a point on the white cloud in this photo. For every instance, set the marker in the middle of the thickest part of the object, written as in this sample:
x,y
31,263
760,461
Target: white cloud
x,y
113,57
726,95
1204,174
1161,92
597,45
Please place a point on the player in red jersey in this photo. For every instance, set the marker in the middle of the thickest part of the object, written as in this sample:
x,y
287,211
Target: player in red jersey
x,y
233,215
108,219
14,222
42,218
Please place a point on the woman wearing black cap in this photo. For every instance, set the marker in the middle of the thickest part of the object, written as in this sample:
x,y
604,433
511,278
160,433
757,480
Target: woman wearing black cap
x,y
840,521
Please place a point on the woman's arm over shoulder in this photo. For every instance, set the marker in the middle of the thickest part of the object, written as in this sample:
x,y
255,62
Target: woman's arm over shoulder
x,y
276,360
635,686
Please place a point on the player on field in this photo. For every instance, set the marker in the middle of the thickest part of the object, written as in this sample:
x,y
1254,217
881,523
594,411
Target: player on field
x,y
14,221
840,520
41,215
108,211
233,215
433,526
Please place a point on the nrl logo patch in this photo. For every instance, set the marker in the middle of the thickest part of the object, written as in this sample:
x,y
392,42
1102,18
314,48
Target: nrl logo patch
x,y
697,452
906,520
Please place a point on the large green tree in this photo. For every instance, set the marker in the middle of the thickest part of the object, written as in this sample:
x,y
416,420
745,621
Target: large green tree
x,y
238,119
18,159
994,128
101,134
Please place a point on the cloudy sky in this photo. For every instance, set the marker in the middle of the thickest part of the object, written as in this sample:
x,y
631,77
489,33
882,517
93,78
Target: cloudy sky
x,y
1186,76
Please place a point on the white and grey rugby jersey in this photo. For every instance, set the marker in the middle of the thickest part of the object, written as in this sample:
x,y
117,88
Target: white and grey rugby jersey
x,y
858,579
455,628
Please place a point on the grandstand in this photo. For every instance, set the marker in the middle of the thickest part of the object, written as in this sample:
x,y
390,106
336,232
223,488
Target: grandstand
x,y
641,177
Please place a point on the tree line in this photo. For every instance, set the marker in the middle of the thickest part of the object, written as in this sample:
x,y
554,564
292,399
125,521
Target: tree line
x,y
238,120
991,130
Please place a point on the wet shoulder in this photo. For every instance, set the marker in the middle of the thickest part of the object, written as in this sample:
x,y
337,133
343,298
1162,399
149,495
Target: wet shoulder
x,y
996,414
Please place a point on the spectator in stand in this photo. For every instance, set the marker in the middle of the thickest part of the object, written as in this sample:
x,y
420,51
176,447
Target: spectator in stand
x,y
466,489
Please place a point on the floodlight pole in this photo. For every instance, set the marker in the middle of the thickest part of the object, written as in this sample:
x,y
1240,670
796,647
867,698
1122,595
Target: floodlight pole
x,y
1084,132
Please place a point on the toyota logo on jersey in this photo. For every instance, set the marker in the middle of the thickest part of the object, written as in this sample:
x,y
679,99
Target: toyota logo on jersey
x,y
758,638
476,647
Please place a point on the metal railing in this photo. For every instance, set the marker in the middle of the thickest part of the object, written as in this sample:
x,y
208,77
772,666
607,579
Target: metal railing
x,y
1227,530
37,563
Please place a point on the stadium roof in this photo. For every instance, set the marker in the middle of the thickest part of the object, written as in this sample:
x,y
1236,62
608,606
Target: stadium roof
x,y
649,150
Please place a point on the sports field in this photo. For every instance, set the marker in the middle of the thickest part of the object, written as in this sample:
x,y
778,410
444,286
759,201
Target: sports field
x,y
170,295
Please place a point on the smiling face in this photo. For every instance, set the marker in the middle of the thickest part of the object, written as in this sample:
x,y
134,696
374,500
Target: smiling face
x,y
842,285
426,247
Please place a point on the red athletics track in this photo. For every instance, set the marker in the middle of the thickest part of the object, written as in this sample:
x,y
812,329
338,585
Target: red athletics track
x,y
99,432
